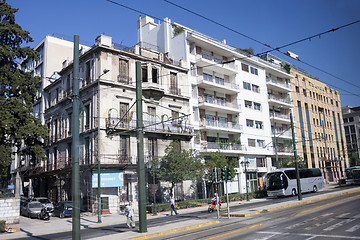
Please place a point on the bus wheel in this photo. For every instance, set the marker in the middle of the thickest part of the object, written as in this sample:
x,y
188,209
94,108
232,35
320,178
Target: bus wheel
x,y
293,192
315,189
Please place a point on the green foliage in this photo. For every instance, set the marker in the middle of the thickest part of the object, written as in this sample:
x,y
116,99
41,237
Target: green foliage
x,y
2,225
249,51
219,160
179,165
287,67
177,30
17,91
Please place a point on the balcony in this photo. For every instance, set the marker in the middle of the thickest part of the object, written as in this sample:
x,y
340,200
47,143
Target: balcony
x,y
211,103
279,117
280,101
281,86
218,85
286,134
224,147
215,64
222,126
156,125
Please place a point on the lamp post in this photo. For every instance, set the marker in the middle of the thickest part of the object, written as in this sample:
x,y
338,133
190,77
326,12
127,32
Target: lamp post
x,y
245,163
98,149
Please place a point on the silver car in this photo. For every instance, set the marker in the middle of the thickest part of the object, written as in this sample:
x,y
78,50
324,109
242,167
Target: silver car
x,y
45,202
31,209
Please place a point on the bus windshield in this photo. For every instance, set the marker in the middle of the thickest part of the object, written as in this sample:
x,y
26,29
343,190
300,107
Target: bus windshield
x,y
276,181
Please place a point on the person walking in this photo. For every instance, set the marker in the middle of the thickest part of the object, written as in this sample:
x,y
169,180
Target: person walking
x,y
129,212
172,205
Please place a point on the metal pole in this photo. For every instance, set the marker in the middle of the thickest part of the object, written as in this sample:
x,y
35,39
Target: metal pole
x,y
154,188
227,196
247,184
296,162
140,152
217,195
75,145
98,157
275,141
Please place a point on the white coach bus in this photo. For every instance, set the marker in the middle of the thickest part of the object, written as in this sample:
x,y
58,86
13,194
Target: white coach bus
x,y
282,182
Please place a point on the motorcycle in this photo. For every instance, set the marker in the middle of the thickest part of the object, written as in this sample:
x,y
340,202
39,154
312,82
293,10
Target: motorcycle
x,y
45,213
212,206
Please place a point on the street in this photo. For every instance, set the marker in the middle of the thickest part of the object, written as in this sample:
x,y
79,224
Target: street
x,y
336,217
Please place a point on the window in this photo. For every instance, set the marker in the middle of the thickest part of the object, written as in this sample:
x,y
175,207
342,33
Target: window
x,y
258,124
297,89
257,106
248,104
304,92
249,123
254,70
124,115
87,69
152,114
255,88
144,74
175,117
251,142
247,85
351,119
207,77
174,84
154,75
210,120
260,162
219,80
123,71
222,122
245,67
87,116
124,148
260,143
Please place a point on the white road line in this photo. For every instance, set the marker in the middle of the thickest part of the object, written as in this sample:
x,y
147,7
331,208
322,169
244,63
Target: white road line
x,y
312,235
354,228
339,224
343,215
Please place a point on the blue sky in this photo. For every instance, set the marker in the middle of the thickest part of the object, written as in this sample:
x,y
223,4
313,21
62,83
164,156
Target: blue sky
x,y
275,22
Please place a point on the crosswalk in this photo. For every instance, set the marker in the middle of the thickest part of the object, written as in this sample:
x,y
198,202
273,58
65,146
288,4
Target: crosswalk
x,y
326,226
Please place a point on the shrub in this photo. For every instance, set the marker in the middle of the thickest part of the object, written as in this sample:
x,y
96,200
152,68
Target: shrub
x,y
2,225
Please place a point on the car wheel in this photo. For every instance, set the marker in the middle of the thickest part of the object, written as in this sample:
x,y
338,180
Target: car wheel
x,y
293,192
61,215
315,189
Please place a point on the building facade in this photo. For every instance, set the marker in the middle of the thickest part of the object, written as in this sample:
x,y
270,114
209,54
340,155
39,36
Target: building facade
x,y
232,98
108,124
351,117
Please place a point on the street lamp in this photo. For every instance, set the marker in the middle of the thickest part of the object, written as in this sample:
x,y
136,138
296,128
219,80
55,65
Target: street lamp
x,y
245,165
153,165
98,149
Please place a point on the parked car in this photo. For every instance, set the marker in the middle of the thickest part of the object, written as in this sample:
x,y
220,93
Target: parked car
x,y
63,209
31,209
23,200
45,202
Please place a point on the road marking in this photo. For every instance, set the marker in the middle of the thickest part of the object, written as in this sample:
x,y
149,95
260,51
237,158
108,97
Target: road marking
x,y
354,228
339,224
291,234
234,232
175,230
326,205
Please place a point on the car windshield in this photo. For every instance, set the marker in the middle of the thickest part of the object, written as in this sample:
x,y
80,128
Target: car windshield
x,y
35,205
44,200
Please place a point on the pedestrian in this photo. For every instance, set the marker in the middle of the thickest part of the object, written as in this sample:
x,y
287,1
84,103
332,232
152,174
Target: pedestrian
x,y
172,205
129,212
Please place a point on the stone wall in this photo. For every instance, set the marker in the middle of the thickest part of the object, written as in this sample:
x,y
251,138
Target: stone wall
x,y
10,211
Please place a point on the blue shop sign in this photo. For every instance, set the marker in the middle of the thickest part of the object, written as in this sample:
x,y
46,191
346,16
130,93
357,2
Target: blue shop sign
x,y
108,179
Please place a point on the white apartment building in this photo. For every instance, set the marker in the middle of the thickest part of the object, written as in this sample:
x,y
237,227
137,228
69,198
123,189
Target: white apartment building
x,y
229,97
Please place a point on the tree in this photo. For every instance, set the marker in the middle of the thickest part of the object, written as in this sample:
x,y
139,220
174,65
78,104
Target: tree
x,y
179,165
17,93
219,160
249,51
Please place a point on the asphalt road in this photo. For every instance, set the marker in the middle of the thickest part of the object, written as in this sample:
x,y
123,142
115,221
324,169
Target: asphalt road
x,y
335,218
226,225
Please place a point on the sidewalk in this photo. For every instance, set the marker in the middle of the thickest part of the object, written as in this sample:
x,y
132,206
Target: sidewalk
x,y
36,227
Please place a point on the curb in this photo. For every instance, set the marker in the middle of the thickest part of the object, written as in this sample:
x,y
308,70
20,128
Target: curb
x,y
175,230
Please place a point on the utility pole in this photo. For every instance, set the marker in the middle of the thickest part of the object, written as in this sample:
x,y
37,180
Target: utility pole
x,y
295,157
140,151
75,145
275,141
227,194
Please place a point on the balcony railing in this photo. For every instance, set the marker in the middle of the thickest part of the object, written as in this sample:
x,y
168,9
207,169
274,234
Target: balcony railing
x,y
228,125
224,146
220,82
281,83
215,60
203,99
279,115
284,100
